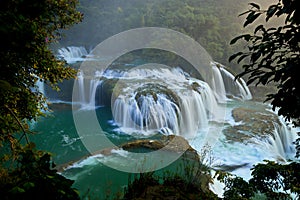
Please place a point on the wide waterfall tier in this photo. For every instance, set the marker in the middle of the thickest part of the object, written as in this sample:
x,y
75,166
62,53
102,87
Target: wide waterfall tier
x,y
165,100
153,97
72,54
225,86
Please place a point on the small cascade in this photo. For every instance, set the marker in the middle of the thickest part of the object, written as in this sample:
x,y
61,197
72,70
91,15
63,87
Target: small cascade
x,y
148,113
193,113
218,85
87,89
40,87
234,88
224,84
81,87
280,143
94,83
208,98
72,54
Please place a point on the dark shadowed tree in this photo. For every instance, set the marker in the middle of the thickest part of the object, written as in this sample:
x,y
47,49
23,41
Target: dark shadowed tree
x,y
26,30
272,56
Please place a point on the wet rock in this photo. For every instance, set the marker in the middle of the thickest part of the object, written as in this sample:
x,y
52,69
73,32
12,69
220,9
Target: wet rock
x,y
170,143
253,123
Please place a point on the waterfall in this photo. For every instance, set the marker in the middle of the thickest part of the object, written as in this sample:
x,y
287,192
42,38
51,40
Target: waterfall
x,y
208,98
87,89
94,83
149,115
224,84
234,88
165,100
160,113
158,98
81,87
280,143
72,54
218,85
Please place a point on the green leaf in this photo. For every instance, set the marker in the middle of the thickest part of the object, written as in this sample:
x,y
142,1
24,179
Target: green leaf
x,y
260,27
255,5
251,18
271,11
234,56
17,190
242,57
28,185
255,56
245,36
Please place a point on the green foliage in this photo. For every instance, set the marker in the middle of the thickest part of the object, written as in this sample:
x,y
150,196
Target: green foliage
x,y
139,184
212,23
273,180
273,54
190,180
238,188
35,178
27,28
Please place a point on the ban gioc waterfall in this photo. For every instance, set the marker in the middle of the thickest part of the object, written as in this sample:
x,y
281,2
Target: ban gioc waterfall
x,y
136,101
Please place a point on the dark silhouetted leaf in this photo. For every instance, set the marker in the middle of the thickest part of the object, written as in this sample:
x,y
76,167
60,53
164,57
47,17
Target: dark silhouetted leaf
x,y
251,17
271,11
245,36
254,5
260,27
234,56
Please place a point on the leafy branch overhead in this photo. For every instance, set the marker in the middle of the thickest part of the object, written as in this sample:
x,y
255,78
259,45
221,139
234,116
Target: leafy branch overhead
x,y
27,29
273,54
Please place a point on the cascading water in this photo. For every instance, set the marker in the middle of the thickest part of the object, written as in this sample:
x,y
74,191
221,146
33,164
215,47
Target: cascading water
x,y
87,89
41,86
81,86
169,101
150,100
94,83
146,113
217,85
224,84
72,54
280,143
164,99
154,99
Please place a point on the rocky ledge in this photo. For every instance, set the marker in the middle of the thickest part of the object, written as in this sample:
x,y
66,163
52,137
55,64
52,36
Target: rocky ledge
x,y
170,143
252,123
